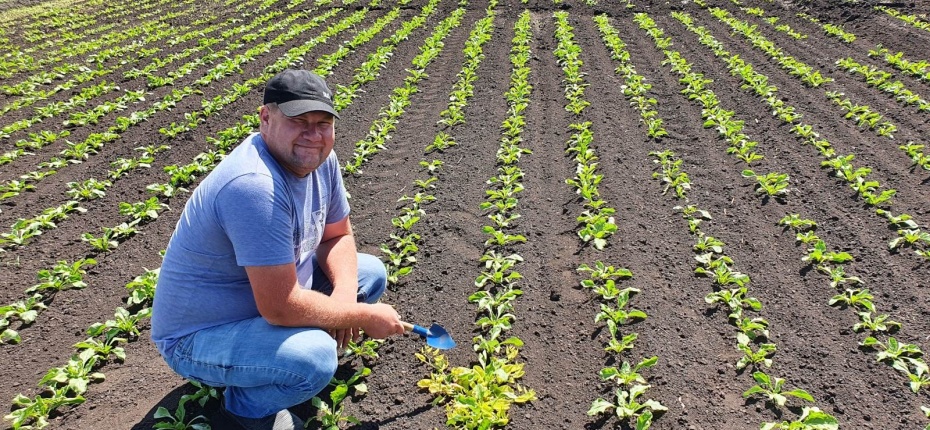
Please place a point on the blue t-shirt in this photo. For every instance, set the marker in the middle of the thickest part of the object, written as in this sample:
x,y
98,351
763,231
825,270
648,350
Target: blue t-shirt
x,y
249,211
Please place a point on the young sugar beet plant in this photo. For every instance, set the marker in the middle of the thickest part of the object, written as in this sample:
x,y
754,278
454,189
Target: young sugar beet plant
x,y
731,290
480,396
905,358
857,177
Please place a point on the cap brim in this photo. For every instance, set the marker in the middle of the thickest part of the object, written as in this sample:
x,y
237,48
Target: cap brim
x,y
300,107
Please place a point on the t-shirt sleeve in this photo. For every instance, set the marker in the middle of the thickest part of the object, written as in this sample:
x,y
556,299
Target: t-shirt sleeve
x,y
257,221
339,198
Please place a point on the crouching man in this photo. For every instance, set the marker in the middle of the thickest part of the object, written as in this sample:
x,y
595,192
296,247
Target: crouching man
x,y
262,281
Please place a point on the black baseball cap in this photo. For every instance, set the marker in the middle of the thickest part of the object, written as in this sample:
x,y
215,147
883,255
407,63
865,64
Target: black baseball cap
x,y
299,91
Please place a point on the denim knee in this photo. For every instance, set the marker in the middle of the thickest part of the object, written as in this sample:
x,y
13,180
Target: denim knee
x,y
372,278
312,354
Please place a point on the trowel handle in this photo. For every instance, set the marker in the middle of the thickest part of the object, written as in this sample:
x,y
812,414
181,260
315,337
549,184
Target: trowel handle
x,y
422,331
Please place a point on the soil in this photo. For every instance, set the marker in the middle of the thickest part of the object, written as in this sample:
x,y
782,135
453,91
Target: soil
x,y
695,377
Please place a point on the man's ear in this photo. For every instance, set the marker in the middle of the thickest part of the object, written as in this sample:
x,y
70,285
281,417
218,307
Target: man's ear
x,y
263,114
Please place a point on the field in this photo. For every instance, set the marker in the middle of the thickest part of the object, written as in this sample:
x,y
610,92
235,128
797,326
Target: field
x,y
695,215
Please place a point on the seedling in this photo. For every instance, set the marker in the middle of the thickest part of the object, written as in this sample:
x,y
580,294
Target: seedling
x,y
627,374
76,374
734,299
63,276
367,348
818,255
773,184
501,238
442,142
796,223
920,377
880,323
142,288
125,323
432,166
811,418
750,357
909,237
893,350
105,349
771,388
178,420
621,315
36,410
855,298
142,211
628,406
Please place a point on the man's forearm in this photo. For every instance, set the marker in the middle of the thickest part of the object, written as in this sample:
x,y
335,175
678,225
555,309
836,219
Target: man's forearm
x,y
308,308
338,258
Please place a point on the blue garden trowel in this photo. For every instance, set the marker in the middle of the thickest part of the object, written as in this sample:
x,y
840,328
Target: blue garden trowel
x,y
436,336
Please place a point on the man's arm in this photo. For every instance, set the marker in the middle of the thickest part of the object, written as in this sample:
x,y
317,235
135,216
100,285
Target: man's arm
x,y
338,257
281,301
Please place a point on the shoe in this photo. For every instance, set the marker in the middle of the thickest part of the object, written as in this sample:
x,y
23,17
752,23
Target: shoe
x,y
283,420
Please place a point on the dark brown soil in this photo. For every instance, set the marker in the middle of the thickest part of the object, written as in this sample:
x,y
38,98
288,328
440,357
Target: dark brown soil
x,y
695,376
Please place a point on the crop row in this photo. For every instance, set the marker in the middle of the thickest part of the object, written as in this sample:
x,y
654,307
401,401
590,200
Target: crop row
x,y
480,396
831,29
868,189
24,62
731,288
66,385
903,357
913,20
389,116
401,253
602,278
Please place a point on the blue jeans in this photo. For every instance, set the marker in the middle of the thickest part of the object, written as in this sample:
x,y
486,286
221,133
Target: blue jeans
x,y
267,368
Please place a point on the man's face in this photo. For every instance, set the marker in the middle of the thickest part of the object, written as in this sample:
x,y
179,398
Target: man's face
x,y
301,143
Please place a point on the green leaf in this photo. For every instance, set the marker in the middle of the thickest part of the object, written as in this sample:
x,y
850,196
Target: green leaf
x,y
754,390
162,412
10,336
339,393
600,406
801,394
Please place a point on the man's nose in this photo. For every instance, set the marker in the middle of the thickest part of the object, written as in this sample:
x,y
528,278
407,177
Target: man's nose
x,y
312,132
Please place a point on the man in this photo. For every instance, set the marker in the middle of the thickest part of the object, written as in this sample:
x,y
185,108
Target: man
x,y
261,281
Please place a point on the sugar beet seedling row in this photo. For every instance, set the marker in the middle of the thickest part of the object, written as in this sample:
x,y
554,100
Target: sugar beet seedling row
x,y
481,396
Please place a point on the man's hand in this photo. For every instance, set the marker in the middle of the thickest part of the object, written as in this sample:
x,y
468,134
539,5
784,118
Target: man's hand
x,y
382,321
343,336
